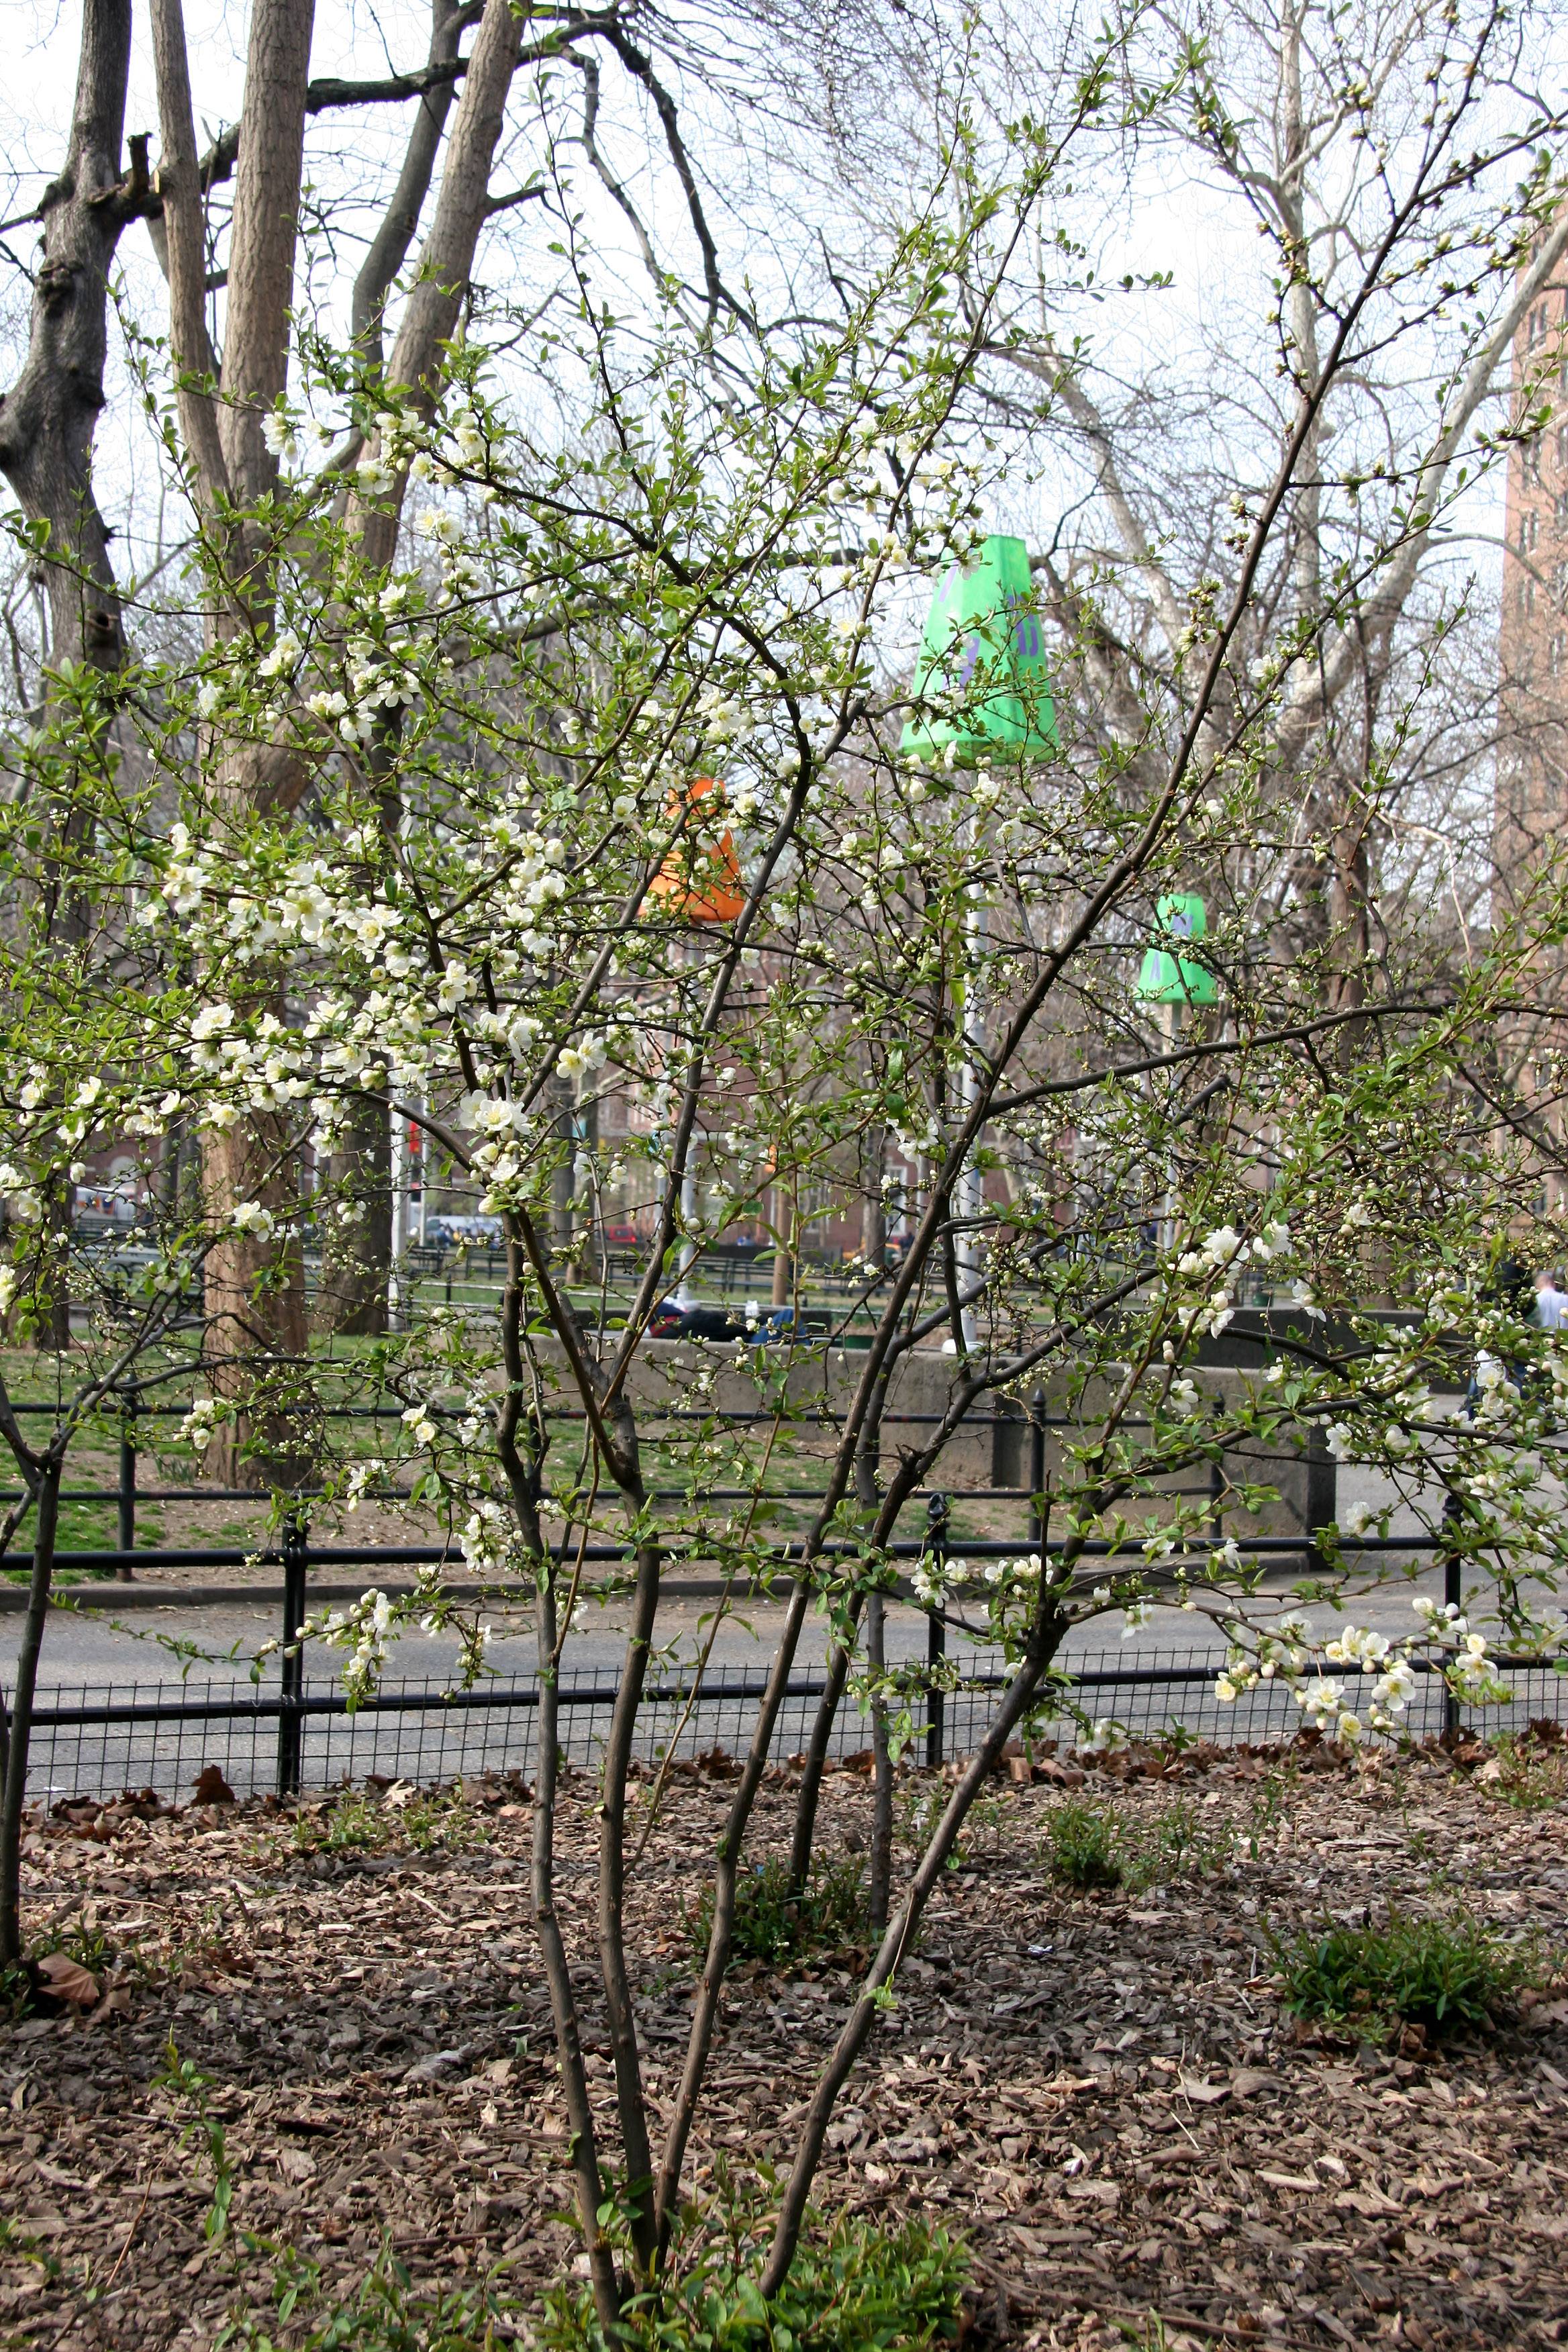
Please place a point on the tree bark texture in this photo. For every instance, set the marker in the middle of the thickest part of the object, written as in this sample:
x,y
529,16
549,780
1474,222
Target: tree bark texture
x,y
356,1237
255,1340
263,238
48,416
434,303
388,249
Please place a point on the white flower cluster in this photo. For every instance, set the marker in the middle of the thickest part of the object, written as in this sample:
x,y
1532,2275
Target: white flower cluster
x,y
489,1540
24,1202
199,1426
362,1630
1285,1653
416,1420
934,1578
1221,1254
373,682
361,1478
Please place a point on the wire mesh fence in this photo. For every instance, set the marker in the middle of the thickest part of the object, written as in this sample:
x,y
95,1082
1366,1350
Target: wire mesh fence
x,y
100,1742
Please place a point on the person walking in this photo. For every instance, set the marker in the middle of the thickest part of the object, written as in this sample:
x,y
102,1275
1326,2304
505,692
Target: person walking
x,y
1550,1302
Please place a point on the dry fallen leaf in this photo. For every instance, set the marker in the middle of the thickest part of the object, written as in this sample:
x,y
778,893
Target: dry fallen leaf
x,y
210,1788
67,1980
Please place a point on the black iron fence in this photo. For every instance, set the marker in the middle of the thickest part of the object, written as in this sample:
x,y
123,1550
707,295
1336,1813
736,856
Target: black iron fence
x,y
299,1732
97,1742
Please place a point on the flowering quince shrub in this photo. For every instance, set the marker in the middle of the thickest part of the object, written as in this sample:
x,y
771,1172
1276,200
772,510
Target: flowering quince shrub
x,y
888,955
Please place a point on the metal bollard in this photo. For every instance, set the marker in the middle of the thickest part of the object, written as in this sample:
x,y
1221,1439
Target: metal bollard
x,y
126,1527
936,1637
290,1719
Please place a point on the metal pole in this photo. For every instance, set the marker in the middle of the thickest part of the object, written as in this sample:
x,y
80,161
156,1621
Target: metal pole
x,y
936,1638
291,1722
969,1194
1037,1468
1453,1597
126,1533
1170,1207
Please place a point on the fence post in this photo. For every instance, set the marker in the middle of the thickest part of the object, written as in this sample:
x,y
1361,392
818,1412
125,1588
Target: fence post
x,y
1453,1597
936,1636
125,1531
290,1721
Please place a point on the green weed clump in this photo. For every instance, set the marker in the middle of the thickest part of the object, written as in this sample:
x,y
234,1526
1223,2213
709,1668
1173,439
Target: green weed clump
x,y
1081,1842
1444,1975
355,1823
21,1985
1090,1845
774,1927
1531,1776
855,2286
385,2313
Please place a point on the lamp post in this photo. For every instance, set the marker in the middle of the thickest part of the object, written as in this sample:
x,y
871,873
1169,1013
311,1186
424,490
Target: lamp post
x,y
983,655
700,884
1174,982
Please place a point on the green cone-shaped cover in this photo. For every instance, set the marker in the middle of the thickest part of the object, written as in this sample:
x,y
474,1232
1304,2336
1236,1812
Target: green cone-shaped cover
x,y
1167,978
983,647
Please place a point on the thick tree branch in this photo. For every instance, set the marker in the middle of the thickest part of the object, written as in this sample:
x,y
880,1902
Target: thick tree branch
x,y
389,246
184,257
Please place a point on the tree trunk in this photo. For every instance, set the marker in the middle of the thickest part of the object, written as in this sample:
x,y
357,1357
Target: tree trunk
x,y
881,1872
356,1229
19,1731
388,249
47,424
562,1176
47,419
255,1289
256,1340
356,1292
873,1217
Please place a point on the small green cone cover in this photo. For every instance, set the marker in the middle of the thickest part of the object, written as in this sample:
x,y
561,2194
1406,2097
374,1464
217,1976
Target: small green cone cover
x,y
983,644
1167,978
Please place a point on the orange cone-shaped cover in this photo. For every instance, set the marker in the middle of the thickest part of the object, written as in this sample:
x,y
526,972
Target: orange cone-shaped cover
x,y
700,880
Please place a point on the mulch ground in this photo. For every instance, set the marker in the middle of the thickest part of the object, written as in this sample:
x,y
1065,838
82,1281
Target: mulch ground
x,y
1099,2089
